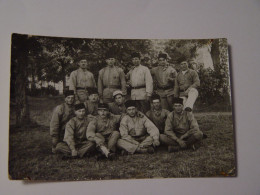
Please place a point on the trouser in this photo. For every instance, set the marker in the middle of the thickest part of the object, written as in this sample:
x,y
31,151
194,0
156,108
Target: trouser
x,y
190,100
82,148
143,105
82,96
131,146
192,139
167,102
108,141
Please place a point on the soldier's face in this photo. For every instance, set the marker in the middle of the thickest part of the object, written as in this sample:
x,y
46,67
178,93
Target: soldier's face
x,y
83,64
184,65
69,99
111,61
80,113
193,65
131,111
156,104
103,113
94,98
162,61
136,61
119,99
178,108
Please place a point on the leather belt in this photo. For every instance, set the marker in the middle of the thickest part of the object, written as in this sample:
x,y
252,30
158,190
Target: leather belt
x,y
167,87
140,87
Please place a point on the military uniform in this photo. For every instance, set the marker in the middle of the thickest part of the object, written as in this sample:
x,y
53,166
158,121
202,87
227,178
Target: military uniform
x,y
164,78
158,117
177,126
75,137
110,79
103,131
137,132
79,82
117,109
91,108
142,86
187,80
61,115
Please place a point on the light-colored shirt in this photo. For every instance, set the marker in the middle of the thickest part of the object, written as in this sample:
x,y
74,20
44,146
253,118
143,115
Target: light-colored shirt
x,y
82,79
158,117
61,115
140,76
137,126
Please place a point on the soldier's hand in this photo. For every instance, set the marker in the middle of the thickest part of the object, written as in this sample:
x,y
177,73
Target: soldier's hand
x,y
156,143
74,153
182,144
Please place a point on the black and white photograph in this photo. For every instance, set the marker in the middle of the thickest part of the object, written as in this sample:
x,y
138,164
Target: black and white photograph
x,y
102,109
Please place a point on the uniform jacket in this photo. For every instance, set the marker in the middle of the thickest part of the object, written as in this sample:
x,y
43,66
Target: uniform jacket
x,y
79,78
158,118
115,109
91,108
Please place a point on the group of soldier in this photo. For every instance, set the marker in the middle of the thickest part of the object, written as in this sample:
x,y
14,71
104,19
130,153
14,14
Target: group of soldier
x,y
98,117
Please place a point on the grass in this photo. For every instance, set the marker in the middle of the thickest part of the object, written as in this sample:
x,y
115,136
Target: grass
x,y
30,154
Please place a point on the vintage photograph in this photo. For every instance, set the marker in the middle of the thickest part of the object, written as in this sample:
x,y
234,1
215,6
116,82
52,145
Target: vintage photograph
x,y
100,109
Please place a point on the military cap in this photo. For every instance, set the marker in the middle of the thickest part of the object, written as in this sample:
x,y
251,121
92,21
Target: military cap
x,y
162,55
130,103
79,106
117,92
110,54
103,106
136,55
68,93
92,90
155,97
178,101
81,57
182,59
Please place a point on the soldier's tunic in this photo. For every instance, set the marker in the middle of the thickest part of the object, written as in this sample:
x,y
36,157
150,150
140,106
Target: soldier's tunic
x,y
91,108
137,132
158,117
116,109
79,82
61,115
75,137
178,125
111,79
187,80
104,132
142,86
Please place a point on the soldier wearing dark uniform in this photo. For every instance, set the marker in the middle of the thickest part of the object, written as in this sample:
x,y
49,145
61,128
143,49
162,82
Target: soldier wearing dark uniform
x,y
81,80
61,115
92,103
181,129
157,114
118,106
110,79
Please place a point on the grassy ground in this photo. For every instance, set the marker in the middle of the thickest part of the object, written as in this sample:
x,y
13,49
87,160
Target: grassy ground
x,y
30,154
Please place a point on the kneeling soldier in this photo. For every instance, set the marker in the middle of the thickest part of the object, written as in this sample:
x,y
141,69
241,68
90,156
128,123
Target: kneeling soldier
x,y
102,130
181,129
61,115
75,139
157,114
92,104
138,133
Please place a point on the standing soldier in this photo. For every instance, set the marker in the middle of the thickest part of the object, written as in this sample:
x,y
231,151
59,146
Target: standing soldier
x,y
110,79
102,130
186,84
61,115
141,83
92,104
164,77
138,133
157,114
118,106
80,80
181,129
76,143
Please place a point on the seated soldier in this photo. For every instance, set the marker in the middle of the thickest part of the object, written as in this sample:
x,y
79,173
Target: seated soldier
x,y
138,133
181,129
157,115
76,143
102,130
118,106
92,104
61,115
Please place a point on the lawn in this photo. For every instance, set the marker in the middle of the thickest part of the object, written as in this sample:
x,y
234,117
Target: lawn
x,y
30,154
